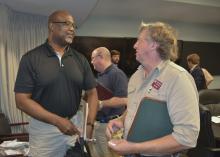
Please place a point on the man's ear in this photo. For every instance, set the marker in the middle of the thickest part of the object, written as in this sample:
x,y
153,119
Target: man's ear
x,y
154,45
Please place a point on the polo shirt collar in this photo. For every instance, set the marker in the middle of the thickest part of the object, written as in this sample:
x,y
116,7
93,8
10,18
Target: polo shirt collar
x,y
194,66
51,51
106,70
162,64
157,69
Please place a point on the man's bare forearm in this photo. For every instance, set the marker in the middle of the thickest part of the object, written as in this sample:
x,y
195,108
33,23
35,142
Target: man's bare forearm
x,y
93,104
34,109
163,145
115,102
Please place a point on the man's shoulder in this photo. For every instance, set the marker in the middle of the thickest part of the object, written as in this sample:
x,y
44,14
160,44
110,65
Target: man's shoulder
x,y
78,55
36,50
197,70
74,51
176,68
115,70
175,72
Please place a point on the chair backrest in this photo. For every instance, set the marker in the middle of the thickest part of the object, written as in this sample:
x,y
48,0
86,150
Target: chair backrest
x,y
214,109
6,132
209,96
4,125
206,137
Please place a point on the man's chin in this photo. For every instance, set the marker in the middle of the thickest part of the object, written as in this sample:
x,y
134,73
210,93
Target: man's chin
x,y
138,58
69,40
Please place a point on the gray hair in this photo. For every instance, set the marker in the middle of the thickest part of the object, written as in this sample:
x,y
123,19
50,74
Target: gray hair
x,y
165,36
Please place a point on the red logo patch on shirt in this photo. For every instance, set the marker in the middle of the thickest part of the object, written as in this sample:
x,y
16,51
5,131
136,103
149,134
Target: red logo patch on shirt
x,y
157,84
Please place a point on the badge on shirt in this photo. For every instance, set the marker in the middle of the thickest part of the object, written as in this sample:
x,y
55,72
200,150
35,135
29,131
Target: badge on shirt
x,y
156,84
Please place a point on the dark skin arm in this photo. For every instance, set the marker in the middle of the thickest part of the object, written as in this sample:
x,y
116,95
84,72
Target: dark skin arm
x,y
35,110
92,100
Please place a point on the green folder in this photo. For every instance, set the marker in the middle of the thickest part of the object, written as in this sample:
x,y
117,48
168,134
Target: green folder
x,y
152,121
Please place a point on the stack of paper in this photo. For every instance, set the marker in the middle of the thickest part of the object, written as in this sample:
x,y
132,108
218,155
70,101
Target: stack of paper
x,y
216,119
15,147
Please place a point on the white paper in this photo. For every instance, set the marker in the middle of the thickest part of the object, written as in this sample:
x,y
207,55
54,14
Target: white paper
x,y
12,152
216,119
13,144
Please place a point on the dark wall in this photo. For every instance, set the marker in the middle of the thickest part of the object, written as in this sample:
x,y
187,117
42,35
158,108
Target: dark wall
x,y
127,62
209,55
209,52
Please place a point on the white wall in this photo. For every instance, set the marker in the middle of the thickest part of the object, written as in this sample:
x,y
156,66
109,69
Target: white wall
x,y
198,32
111,27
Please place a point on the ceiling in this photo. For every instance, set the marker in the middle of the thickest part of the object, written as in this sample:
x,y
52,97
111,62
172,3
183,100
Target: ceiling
x,y
188,11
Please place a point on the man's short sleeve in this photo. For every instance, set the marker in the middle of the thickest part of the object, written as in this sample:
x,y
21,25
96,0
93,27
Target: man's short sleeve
x,y
24,81
120,84
183,108
89,80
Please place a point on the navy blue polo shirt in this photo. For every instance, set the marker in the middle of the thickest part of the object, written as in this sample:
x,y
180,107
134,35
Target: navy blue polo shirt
x,y
55,86
116,81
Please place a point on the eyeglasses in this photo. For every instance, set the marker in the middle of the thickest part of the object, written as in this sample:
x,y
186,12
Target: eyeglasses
x,y
66,23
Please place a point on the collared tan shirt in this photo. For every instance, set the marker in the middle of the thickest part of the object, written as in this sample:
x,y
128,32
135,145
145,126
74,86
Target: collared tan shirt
x,y
173,84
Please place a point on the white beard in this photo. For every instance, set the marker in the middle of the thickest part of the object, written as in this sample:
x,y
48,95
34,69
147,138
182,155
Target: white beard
x,y
69,40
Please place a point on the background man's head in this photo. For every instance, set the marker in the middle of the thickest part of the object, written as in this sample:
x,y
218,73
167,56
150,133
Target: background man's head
x,y
115,55
101,59
61,27
193,59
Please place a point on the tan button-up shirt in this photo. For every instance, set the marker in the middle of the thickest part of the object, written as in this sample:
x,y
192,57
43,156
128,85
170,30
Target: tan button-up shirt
x,y
170,83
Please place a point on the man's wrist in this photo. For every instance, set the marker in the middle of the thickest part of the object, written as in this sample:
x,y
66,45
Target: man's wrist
x,y
90,124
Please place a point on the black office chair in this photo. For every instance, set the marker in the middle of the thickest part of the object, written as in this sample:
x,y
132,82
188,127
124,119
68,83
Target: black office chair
x,y
206,144
209,96
4,125
6,130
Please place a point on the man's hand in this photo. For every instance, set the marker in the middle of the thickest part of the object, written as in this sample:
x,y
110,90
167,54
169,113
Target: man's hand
x,y
122,147
67,127
113,126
